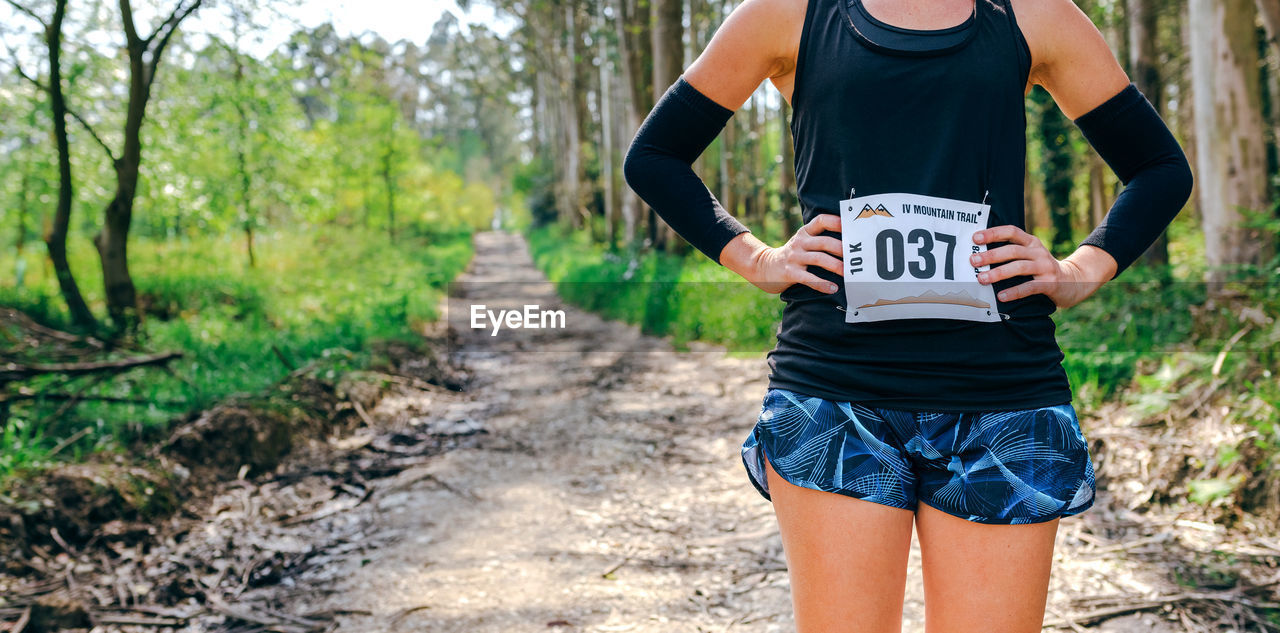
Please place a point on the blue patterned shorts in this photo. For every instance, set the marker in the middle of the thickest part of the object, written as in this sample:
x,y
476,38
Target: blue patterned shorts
x,y
1001,467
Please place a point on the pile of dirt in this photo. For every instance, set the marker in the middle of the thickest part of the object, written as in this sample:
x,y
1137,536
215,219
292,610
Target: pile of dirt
x,y
110,499
248,436
74,505
221,561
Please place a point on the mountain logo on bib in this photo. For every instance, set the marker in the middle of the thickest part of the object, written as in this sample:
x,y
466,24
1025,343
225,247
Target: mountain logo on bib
x,y
867,211
929,296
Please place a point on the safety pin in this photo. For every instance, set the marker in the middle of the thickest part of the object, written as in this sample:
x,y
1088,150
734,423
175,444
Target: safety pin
x,y
984,196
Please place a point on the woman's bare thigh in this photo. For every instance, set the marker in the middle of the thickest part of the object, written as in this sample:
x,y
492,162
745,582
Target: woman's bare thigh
x,y
981,578
847,558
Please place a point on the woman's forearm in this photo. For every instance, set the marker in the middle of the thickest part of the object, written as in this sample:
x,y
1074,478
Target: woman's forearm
x,y
658,167
1129,135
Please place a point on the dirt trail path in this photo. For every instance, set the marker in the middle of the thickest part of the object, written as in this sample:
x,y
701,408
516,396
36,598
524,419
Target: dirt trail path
x,y
609,495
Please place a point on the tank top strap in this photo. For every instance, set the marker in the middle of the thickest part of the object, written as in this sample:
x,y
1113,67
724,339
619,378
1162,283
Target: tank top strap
x,y
1008,23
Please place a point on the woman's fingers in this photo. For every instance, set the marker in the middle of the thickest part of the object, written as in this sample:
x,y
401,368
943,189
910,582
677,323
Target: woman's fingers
x,y
1024,289
823,222
823,244
1002,254
1005,233
809,247
1024,256
811,280
1012,269
820,259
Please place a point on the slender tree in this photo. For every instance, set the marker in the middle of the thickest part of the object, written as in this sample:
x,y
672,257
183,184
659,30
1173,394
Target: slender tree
x,y
667,18
790,208
56,237
1057,165
1144,67
1231,157
145,54
608,160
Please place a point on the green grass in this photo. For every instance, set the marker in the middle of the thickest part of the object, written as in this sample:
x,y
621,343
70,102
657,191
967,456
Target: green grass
x,y
326,295
684,298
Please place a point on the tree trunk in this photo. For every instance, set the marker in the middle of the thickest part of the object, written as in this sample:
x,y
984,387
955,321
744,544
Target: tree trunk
x,y
1099,201
668,61
791,212
629,119
581,66
765,160
1269,11
112,239
1184,118
536,108
112,244
728,170
1145,69
641,29
1231,158
242,152
607,129
1029,201
24,210
388,175
639,34
1057,167
56,238
1270,81
573,140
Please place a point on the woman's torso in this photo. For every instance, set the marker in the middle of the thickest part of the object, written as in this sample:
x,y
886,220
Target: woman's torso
x,y
935,112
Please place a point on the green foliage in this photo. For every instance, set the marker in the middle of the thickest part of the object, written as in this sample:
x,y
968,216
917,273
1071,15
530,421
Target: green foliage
x,y
1142,315
1207,491
317,295
21,443
686,298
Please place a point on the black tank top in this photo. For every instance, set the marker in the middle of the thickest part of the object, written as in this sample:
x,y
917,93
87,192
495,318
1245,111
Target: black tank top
x,y
940,113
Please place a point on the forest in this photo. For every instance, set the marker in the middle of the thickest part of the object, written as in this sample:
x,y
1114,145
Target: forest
x,y
231,236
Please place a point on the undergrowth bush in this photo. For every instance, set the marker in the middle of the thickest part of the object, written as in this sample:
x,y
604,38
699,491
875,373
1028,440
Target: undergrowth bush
x,y
324,295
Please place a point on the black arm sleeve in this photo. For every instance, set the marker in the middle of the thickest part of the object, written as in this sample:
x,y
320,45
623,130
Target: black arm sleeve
x,y
659,167
1129,135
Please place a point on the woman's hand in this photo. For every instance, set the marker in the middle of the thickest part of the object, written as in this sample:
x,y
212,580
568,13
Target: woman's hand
x,y
1066,282
776,269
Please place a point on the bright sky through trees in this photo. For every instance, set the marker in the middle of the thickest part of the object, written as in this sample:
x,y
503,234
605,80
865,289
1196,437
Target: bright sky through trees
x,y
392,19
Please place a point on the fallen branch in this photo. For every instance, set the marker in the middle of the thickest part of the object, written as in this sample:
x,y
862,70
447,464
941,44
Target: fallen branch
x,y
403,613
1097,615
329,613
14,371
273,623
68,442
1156,603
27,394
1158,537
137,620
22,621
25,321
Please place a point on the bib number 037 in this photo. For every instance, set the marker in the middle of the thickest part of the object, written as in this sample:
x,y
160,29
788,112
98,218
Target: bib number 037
x,y
891,260
906,256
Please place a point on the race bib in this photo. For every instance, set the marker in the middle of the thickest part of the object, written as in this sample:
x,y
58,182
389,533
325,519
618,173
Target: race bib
x,y
906,256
